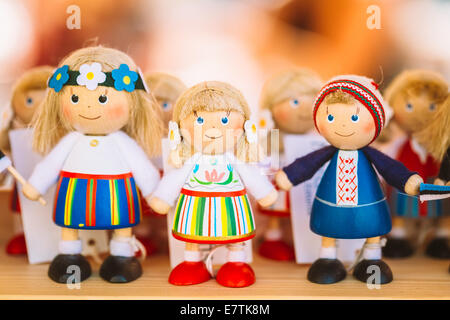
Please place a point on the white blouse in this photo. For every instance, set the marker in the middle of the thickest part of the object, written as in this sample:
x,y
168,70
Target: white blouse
x,y
213,173
111,154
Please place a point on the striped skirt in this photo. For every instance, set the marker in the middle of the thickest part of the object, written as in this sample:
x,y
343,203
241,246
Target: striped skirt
x,y
409,206
213,217
85,201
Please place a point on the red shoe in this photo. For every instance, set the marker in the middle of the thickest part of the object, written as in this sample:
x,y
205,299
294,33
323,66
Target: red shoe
x,y
276,250
188,272
148,244
236,275
17,245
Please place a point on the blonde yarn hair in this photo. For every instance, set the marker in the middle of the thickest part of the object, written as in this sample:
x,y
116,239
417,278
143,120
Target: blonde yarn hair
x,y
144,125
436,136
410,81
288,84
164,86
211,96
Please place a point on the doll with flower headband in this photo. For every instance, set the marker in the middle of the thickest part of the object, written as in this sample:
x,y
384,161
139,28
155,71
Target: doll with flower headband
x,y
97,126
212,140
349,202
28,92
286,104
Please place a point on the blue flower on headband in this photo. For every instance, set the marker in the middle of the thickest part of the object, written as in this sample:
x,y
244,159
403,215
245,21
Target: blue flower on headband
x,y
124,78
59,78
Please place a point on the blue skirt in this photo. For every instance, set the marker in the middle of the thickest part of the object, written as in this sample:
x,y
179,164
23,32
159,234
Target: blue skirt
x,y
97,201
410,206
358,222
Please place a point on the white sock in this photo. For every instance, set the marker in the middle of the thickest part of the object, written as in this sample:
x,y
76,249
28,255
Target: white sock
x,y
192,255
70,247
236,255
398,233
328,253
372,251
273,235
123,247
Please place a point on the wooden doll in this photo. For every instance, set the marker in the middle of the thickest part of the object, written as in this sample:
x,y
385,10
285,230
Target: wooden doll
x,y
288,97
212,139
415,96
28,92
97,127
435,137
349,203
166,89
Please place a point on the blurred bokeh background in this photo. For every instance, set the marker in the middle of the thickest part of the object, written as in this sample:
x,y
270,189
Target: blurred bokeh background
x,y
239,41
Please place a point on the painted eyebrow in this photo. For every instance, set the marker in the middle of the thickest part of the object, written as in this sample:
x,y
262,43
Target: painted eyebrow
x,y
228,112
195,114
327,110
357,109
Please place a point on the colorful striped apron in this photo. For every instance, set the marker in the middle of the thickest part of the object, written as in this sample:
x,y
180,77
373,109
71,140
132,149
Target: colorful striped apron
x,y
85,201
213,217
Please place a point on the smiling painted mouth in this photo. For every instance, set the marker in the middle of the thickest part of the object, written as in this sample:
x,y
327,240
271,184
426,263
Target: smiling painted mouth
x,y
213,138
343,135
87,118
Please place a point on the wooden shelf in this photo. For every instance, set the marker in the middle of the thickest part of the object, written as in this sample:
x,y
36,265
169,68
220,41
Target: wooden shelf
x,y
415,278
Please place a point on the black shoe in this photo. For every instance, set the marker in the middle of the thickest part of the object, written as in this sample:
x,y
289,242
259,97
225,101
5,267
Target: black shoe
x,y
362,271
397,248
117,269
438,248
61,269
326,271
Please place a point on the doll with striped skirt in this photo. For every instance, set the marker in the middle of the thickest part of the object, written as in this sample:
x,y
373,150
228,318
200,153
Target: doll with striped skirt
x,y
212,140
97,127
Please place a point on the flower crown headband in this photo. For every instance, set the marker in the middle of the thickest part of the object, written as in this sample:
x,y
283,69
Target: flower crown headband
x,y
91,76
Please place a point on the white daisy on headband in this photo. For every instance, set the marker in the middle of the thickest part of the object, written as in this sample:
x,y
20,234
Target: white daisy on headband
x,y
265,122
251,131
174,135
91,75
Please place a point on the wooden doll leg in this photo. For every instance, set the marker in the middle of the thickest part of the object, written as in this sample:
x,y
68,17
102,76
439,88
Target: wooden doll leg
x,y
192,246
372,250
123,233
373,240
398,227
68,234
328,249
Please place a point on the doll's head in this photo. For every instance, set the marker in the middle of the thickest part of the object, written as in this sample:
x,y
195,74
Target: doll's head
x,y
28,93
290,96
98,91
212,118
349,112
166,89
435,136
415,96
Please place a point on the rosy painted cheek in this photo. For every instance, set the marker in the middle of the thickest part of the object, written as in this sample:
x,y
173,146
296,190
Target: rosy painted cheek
x,y
369,127
67,112
116,112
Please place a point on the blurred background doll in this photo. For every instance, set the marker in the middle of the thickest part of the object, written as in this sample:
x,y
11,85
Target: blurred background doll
x,y
435,137
97,126
27,94
214,141
415,96
349,203
166,89
287,101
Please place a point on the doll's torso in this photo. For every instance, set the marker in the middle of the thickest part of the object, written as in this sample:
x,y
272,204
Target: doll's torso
x,y
415,158
350,180
96,155
213,173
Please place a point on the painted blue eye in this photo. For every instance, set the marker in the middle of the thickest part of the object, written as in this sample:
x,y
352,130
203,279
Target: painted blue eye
x,y
330,118
29,100
294,103
432,107
409,107
200,120
355,118
166,105
225,121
